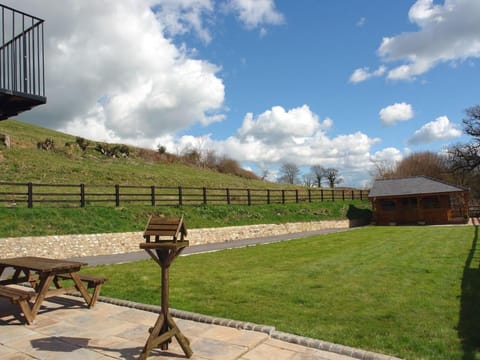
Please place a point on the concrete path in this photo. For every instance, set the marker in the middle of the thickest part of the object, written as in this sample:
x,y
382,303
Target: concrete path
x,y
197,249
115,329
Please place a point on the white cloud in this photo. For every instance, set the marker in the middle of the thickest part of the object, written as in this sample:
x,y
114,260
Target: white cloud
x,y
113,73
362,74
295,135
424,12
182,16
361,22
326,124
109,64
253,13
448,33
396,112
439,129
278,126
388,155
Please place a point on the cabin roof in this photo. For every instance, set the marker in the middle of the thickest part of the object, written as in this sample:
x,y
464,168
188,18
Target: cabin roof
x,y
411,186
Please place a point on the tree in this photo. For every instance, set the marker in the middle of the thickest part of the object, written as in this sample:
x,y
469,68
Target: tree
x,y
309,180
466,157
265,174
425,163
319,173
384,169
161,149
332,176
289,173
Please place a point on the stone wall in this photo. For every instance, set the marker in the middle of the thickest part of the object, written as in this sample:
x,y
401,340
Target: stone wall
x,y
66,246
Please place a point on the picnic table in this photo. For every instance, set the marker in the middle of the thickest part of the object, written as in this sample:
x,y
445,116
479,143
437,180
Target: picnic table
x,y
41,273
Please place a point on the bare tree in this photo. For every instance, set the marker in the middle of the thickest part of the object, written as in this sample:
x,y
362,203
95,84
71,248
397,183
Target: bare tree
x,y
332,176
265,174
466,157
424,163
289,173
319,173
309,180
384,169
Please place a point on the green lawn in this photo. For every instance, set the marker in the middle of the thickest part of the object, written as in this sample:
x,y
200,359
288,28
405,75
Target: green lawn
x,y
412,292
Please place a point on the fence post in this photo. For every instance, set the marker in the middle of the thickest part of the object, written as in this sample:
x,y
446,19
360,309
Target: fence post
x,y
283,196
309,195
296,196
361,194
321,195
353,194
117,195
152,194
249,197
268,196
82,195
30,194
343,195
204,189
180,196
333,194
228,196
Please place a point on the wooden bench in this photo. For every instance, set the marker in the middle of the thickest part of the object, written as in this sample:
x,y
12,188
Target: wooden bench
x,y
93,282
20,297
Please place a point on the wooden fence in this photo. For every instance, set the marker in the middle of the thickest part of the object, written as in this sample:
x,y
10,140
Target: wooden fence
x,y
81,195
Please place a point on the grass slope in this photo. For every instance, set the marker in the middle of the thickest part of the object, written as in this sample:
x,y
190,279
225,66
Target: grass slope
x,y
38,221
23,162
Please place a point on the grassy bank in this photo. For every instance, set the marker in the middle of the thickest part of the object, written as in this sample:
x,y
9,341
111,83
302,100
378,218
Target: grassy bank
x,y
38,221
67,163
412,292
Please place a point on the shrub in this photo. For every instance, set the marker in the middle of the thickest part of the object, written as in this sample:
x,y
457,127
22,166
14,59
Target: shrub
x,y
47,144
82,143
113,150
162,149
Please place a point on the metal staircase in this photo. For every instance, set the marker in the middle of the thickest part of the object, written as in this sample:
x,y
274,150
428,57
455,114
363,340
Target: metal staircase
x,y
22,62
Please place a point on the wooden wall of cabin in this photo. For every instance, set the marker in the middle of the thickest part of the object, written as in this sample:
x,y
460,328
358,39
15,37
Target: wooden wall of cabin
x,y
409,210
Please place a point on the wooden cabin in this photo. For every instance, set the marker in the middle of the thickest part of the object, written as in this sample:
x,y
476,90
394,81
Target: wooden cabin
x,y
417,200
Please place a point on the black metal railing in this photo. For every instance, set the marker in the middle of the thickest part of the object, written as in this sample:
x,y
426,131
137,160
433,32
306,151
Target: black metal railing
x,y
22,54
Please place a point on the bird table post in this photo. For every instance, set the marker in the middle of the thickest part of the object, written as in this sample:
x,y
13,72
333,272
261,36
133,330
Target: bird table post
x,y
168,242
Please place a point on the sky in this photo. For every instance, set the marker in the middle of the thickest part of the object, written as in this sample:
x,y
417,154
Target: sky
x,y
343,84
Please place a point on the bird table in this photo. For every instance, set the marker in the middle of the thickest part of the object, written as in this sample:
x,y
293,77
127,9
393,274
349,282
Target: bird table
x,y
164,241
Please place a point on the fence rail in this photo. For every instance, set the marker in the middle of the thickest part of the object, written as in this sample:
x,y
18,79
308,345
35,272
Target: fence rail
x,y
81,195
474,210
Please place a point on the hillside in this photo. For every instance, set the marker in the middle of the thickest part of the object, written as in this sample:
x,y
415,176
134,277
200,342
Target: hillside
x,y
68,163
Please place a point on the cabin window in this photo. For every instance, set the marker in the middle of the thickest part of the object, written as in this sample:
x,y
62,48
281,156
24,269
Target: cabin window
x,y
387,205
409,203
431,202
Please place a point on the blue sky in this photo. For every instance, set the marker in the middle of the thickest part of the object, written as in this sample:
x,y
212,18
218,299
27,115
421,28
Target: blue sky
x,y
341,84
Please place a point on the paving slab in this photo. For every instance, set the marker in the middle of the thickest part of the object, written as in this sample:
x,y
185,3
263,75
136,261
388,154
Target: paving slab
x,y
66,329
